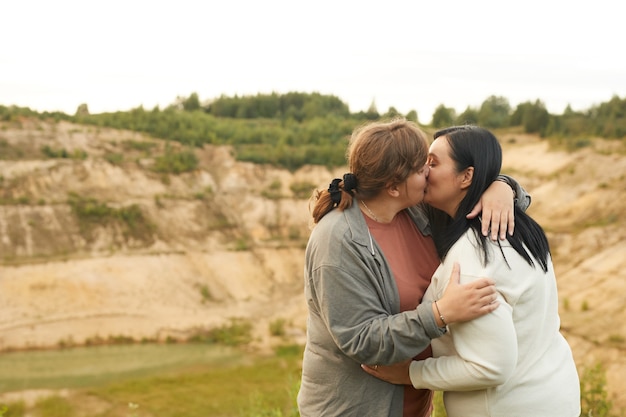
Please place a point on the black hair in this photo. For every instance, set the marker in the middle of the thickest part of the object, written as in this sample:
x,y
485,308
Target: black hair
x,y
478,147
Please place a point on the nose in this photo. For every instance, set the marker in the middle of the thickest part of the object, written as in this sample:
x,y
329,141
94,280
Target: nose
x,y
427,171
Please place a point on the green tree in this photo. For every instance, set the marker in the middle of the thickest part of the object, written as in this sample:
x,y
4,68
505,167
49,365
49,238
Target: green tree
x,y
372,111
443,116
268,105
609,118
391,113
532,116
82,110
191,103
412,116
574,124
468,117
494,112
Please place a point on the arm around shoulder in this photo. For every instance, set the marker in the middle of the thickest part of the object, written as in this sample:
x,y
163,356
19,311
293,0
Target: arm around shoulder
x,y
522,197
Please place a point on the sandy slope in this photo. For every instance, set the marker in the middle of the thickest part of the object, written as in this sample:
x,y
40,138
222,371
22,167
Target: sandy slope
x,y
174,287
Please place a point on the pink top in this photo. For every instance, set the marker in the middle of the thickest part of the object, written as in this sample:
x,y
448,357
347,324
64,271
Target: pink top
x,y
413,259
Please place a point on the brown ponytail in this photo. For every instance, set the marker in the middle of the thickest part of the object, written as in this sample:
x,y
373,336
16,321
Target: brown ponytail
x,y
380,154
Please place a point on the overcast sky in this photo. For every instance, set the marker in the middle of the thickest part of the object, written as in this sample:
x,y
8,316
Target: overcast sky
x,y
412,55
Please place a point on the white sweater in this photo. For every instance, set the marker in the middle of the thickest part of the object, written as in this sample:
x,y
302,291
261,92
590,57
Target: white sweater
x,y
513,362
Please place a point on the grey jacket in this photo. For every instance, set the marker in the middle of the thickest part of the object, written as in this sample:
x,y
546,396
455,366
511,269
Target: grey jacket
x,y
354,319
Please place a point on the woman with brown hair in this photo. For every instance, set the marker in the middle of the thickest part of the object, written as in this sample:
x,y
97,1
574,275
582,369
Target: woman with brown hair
x,y
368,263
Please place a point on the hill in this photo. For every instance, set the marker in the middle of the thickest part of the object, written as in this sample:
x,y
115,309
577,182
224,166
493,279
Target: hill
x,y
96,244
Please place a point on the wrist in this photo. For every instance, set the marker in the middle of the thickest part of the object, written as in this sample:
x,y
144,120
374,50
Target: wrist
x,y
508,182
439,317
416,366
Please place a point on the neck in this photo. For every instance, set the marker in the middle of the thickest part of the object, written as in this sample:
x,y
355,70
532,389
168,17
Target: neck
x,y
453,206
451,211
377,211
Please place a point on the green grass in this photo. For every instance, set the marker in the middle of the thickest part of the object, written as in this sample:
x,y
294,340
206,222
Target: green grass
x,y
193,380
162,380
92,366
438,407
213,390
53,407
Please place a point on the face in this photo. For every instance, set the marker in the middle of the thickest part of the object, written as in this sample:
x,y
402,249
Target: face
x,y
444,189
414,187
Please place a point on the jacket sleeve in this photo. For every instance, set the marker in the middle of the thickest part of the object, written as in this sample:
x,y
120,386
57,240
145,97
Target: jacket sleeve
x,y
522,198
483,352
356,312
486,354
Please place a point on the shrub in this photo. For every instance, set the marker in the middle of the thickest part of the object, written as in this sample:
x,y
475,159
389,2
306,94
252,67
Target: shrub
x,y
594,398
175,162
302,190
114,158
237,332
91,213
16,409
53,407
277,327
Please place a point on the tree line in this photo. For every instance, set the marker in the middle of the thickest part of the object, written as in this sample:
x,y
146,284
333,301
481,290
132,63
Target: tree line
x,y
294,129
607,120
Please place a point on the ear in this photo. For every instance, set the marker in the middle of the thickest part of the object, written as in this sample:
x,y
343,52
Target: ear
x,y
466,177
393,190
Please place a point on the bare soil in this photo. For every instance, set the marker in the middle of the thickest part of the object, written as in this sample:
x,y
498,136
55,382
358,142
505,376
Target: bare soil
x,y
227,248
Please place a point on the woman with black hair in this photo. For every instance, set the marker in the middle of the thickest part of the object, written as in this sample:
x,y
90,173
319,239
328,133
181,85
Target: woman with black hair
x,y
513,361
369,259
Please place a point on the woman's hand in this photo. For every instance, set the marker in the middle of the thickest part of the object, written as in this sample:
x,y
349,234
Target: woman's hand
x,y
464,302
496,205
395,374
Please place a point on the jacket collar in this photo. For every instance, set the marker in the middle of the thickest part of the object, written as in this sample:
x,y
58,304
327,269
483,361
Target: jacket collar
x,y
360,232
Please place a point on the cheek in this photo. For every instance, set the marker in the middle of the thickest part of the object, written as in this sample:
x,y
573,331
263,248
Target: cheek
x,y
440,177
422,184
432,178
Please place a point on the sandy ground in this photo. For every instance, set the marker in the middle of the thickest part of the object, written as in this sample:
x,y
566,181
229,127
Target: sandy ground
x,y
145,297
175,290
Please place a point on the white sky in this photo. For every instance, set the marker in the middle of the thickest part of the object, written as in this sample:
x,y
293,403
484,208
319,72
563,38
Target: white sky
x,y
412,55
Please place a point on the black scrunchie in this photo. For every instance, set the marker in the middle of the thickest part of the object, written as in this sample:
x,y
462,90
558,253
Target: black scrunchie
x,y
335,192
349,182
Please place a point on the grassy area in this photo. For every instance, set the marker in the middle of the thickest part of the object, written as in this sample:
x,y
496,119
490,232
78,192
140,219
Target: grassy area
x,y
92,366
192,380
154,380
263,387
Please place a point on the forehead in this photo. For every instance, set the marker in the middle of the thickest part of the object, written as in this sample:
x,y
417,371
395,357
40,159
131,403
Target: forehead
x,y
439,148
